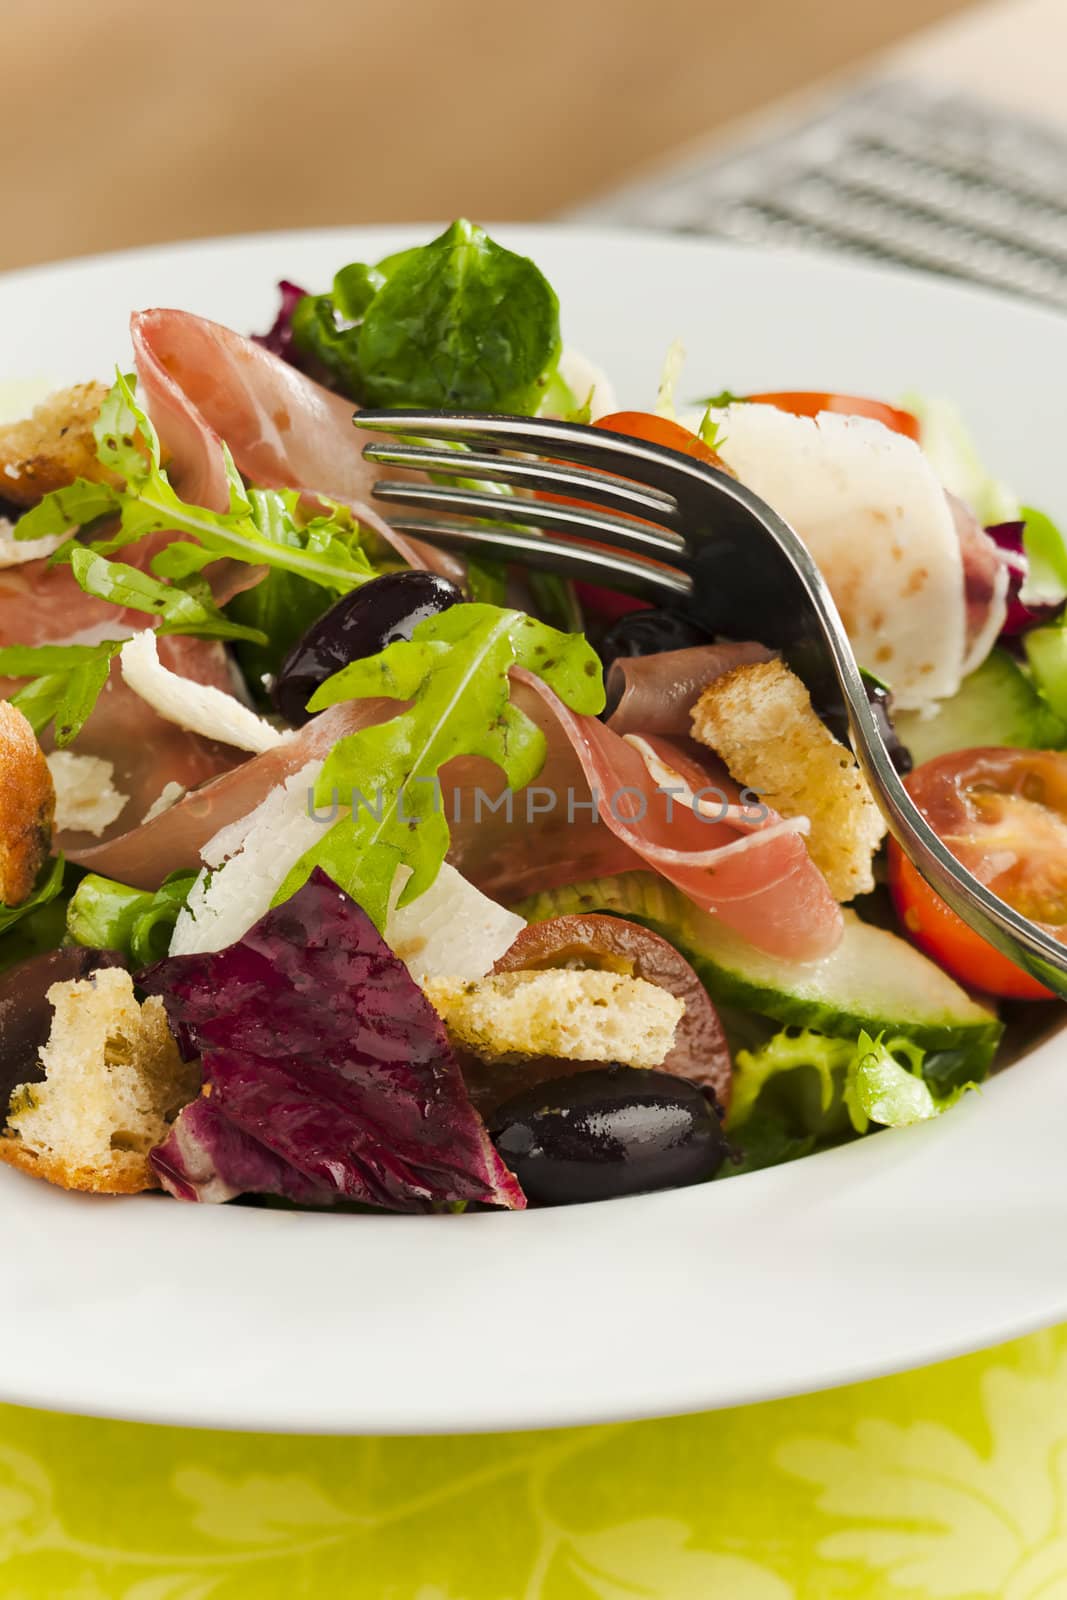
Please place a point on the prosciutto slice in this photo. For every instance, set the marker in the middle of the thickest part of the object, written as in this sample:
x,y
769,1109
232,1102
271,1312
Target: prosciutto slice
x,y
144,855
204,383
40,604
655,694
594,809
598,808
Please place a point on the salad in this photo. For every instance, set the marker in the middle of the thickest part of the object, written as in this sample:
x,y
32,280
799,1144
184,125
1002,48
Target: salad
x,y
336,872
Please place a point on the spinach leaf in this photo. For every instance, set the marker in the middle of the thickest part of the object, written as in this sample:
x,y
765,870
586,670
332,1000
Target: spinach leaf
x,y
459,324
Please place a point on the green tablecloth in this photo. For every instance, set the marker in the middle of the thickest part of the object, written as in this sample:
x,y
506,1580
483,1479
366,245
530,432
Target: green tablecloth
x,y
944,1484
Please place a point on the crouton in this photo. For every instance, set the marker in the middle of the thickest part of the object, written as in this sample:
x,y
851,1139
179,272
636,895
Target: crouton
x,y
760,720
27,806
53,446
581,1016
114,1082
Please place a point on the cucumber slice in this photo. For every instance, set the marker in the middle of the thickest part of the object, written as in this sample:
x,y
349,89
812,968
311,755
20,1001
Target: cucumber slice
x,y
873,980
997,704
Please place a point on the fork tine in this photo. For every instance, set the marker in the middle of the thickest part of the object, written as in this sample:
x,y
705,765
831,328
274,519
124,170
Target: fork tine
x,y
621,533
651,464
502,543
617,494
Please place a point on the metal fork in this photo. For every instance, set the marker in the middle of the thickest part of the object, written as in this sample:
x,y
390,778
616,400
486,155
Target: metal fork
x,y
682,534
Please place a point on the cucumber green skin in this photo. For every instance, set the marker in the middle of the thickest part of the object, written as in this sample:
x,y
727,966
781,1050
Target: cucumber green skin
x,y
643,898
996,705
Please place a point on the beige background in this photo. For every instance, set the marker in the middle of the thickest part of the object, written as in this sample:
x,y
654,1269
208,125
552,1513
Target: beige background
x,y
125,123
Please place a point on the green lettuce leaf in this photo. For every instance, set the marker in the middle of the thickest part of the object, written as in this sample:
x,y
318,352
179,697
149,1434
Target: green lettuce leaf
x,y
454,672
1046,556
952,452
458,324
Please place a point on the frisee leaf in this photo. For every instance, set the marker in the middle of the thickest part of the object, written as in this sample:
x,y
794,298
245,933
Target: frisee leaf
x,y
868,1080
454,671
127,444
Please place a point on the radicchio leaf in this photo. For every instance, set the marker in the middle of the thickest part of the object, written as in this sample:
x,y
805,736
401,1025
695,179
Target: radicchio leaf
x,y
327,1073
1008,537
279,340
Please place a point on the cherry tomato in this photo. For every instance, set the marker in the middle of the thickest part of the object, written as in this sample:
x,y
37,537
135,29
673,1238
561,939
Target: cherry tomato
x,y
1003,814
660,430
607,604
808,403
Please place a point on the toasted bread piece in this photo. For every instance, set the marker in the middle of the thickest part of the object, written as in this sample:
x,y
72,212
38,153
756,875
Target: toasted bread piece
x,y
760,720
53,446
581,1016
27,806
114,1081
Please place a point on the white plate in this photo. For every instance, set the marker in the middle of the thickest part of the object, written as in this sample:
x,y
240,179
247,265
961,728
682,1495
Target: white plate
x,y
899,1250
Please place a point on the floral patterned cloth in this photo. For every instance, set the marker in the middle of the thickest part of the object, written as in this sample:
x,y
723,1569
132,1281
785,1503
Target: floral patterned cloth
x,y
944,1484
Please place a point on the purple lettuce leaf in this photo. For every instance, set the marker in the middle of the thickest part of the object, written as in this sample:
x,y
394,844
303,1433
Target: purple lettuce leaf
x,y
327,1073
279,340
1008,537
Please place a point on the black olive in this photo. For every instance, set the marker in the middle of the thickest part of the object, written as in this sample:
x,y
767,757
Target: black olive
x,y
881,702
360,624
647,633
26,1016
607,1132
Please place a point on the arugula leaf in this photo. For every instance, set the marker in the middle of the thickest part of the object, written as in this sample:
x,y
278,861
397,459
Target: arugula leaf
x,y
127,443
454,671
67,679
179,610
76,505
283,606
459,323
49,883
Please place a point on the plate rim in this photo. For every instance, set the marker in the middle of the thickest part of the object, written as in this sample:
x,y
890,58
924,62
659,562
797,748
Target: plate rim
x,y
251,1411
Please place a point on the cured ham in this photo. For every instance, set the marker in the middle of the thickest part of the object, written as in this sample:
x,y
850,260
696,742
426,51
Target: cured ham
x,y
143,856
40,605
655,694
598,808
204,383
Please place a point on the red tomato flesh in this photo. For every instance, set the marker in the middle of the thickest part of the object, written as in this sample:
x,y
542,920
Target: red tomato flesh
x,y
607,604
1003,814
808,403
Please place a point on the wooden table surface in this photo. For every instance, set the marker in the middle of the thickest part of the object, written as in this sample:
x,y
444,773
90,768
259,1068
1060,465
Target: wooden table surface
x,y
128,123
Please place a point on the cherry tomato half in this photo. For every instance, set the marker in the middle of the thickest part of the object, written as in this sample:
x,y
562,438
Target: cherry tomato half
x,y
1003,814
808,403
660,430
607,604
